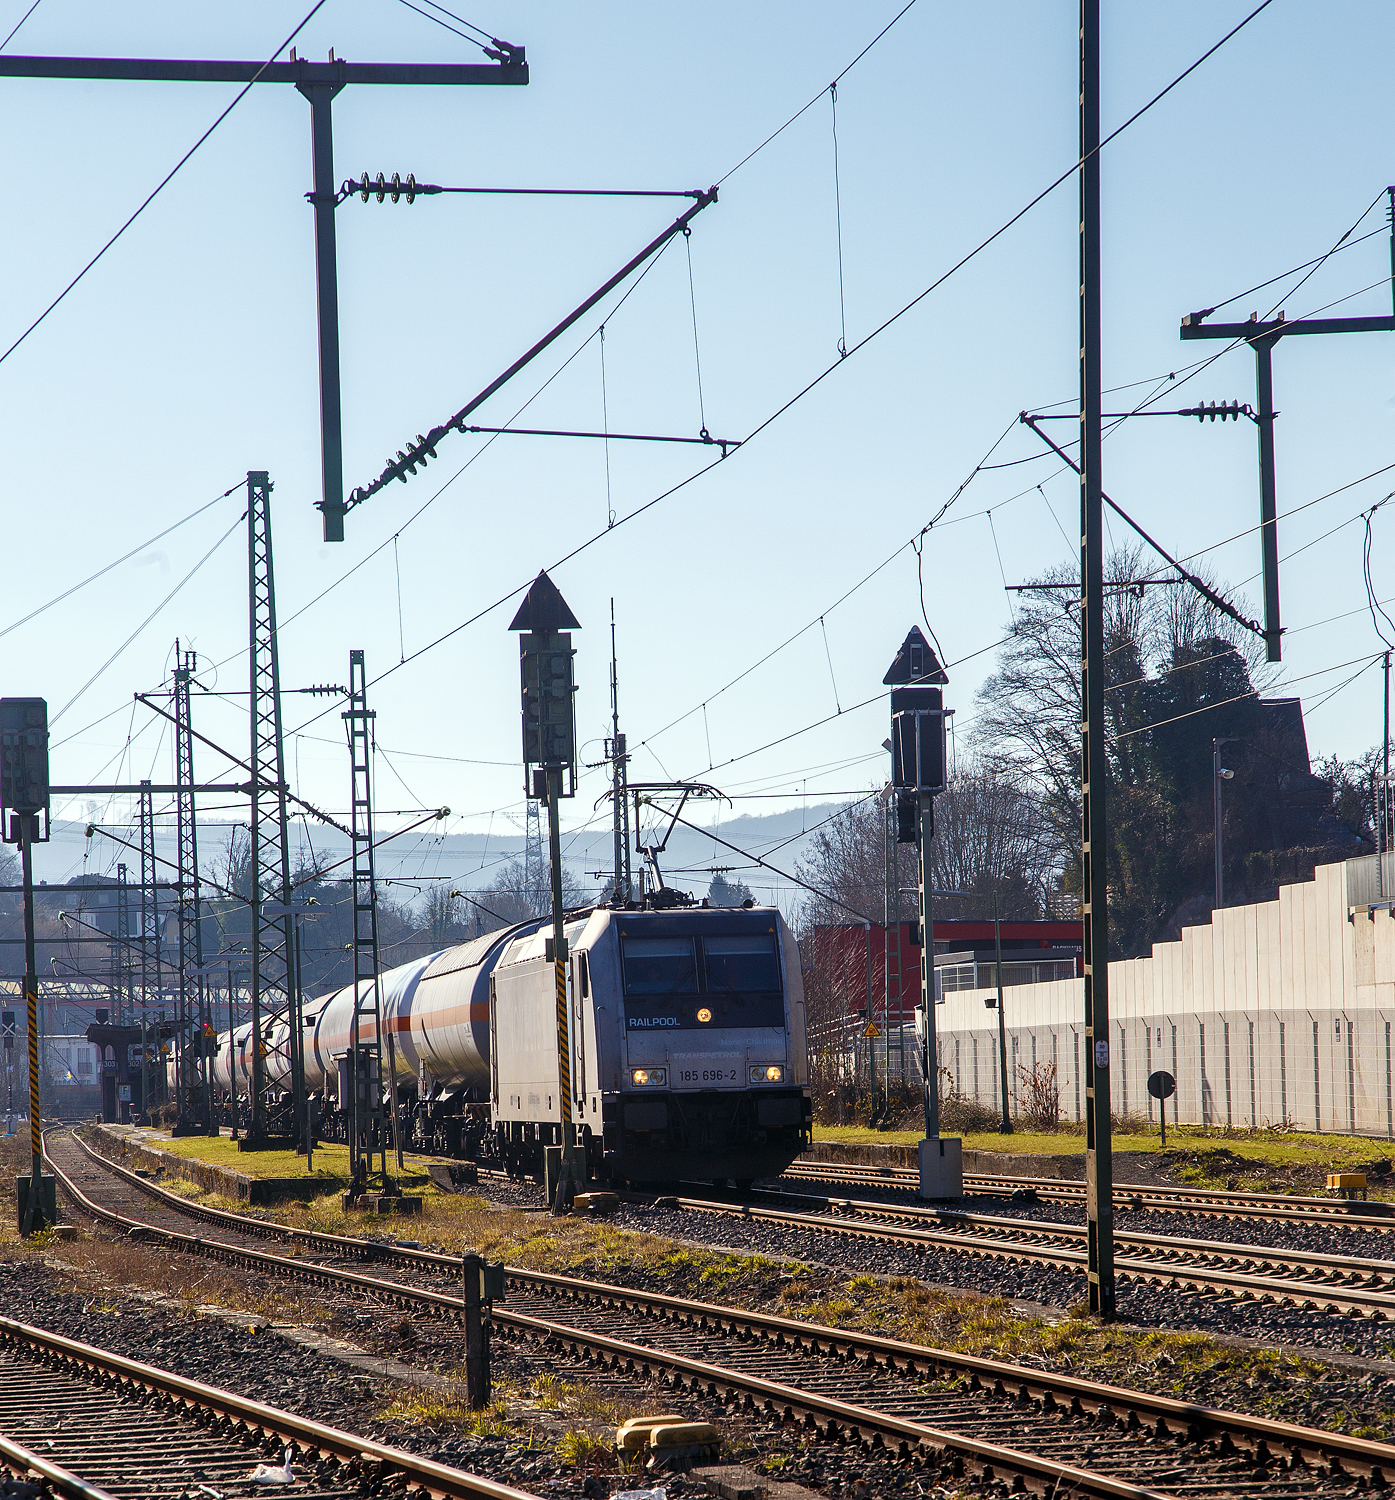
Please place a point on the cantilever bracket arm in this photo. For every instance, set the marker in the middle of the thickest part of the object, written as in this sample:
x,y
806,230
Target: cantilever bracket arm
x,y
1203,588
424,446
269,786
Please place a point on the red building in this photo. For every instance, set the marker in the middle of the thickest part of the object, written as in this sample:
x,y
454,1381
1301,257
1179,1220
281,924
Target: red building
x,y
847,962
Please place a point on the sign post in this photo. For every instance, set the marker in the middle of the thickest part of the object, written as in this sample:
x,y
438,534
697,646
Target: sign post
x,y
24,806
549,763
1162,1086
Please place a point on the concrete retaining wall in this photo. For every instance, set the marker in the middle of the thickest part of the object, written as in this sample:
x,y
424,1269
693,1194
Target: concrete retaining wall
x,y
131,1151
1279,1013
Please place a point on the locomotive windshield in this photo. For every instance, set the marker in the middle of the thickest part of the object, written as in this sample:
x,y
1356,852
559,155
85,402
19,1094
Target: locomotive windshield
x,y
695,983
741,964
659,966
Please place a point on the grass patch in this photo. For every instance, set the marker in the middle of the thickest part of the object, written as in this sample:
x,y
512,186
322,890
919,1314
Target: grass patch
x,y
583,1449
331,1161
444,1412
1197,1155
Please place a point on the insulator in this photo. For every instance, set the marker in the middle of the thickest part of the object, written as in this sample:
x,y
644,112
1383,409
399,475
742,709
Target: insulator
x,y
364,187
396,187
382,188
411,186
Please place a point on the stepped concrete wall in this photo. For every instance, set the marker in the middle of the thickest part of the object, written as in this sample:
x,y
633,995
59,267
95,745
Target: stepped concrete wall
x,y
1279,1013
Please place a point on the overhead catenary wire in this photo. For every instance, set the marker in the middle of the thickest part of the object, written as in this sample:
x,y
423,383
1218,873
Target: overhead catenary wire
x,y
838,223
14,30
166,179
478,30
125,557
863,343
139,628
805,108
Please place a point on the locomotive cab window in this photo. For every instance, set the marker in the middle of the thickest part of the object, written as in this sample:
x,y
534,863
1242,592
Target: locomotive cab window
x,y
660,966
742,965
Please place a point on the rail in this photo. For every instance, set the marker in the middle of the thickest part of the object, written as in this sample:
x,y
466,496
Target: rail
x,y
1265,1440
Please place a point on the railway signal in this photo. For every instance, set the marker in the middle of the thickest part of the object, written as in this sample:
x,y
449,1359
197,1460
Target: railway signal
x,y
919,771
24,809
549,754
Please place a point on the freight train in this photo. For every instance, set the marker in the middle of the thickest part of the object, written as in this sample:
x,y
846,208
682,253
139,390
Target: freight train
x,y
687,1036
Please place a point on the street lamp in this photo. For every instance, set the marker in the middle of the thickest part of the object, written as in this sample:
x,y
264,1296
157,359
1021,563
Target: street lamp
x,y
1219,774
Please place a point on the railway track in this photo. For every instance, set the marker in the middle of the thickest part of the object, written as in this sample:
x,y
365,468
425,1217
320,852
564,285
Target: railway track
x,y
1337,1283
1052,1434
112,1428
1224,1202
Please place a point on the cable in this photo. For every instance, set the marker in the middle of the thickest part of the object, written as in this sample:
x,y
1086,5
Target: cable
x,y
862,343
18,24
697,353
101,572
1372,603
805,108
1240,697
146,621
472,40
829,655
993,531
1283,275
784,874
1327,697
838,220
605,427
164,181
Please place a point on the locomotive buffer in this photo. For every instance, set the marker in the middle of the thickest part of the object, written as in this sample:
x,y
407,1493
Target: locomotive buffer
x,y
545,658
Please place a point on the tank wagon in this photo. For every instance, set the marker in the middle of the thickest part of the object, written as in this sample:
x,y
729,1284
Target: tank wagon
x,y
688,1045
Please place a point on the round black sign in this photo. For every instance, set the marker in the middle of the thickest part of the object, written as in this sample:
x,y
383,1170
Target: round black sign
x,y
1162,1085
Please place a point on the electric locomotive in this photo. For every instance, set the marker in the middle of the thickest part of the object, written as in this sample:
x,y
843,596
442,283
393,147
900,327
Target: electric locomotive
x,y
687,1036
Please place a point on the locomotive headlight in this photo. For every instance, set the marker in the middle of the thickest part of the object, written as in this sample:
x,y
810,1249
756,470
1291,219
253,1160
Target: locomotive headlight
x,y
767,1073
648,1077
704,1015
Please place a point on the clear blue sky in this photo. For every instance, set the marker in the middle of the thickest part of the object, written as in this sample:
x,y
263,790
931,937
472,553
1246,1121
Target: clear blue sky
x,y
188,357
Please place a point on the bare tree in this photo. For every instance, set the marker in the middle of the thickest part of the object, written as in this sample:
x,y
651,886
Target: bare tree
x,y
991,838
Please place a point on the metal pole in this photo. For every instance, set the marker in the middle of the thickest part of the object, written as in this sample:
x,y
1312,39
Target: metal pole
x,y
1006,1127
566,1187
321,96
871,1040
1382,832
1099,1167
476,1342
300,1011
930,1053
617,789
232,1054
1216,819
34,1208
1268,507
